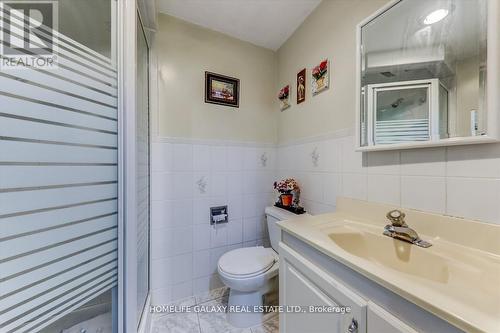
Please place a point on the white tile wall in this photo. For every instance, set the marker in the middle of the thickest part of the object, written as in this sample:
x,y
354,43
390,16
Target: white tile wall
x,y
384,189
187,180
474,197
461,181
424,193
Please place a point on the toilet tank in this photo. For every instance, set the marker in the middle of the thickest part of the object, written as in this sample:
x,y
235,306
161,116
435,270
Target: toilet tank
x,y
274,215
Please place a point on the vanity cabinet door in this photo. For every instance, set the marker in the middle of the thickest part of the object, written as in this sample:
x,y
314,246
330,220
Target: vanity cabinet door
x,y
379,320
303,284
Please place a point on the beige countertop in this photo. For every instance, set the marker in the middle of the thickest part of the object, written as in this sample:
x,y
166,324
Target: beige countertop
x,y
456,279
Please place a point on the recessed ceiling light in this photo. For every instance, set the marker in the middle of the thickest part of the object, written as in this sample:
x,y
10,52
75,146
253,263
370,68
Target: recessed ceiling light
x,y
436,16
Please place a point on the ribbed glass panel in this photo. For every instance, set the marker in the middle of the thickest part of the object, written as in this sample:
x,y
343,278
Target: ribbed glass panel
x,y
142,196
58,184
397,131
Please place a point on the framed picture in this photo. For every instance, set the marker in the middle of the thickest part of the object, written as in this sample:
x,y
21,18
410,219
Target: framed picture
x,y
320,77
222,90
301,86
284,97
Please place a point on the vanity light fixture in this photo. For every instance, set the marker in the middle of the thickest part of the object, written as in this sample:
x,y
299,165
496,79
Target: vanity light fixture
x,y
436,16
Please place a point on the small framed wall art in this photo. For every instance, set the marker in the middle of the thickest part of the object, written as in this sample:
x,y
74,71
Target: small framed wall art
x,y
222,90
320,77
301,86
284,97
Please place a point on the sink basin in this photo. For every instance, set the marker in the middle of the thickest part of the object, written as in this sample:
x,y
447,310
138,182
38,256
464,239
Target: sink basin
x,y
457,278
444,265
391,253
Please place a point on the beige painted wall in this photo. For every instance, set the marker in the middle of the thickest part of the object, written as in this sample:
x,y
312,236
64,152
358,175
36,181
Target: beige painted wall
x,y
329,32
185,51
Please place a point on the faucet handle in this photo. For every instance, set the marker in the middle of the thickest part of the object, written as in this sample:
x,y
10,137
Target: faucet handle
x,y
397,218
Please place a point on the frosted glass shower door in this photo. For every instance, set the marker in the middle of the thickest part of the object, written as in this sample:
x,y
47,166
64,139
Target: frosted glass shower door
x,y
58,164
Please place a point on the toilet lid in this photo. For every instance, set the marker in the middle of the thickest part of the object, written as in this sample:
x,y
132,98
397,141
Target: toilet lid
x,y
247,261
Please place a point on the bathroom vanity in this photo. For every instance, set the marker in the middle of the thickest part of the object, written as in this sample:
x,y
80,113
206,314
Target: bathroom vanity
x,y
343,259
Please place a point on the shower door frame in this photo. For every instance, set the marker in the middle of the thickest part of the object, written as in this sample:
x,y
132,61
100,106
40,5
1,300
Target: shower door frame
x,y
127,17
144,321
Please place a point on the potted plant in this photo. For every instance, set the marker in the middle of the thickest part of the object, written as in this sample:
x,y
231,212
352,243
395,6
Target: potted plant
x,y
285,188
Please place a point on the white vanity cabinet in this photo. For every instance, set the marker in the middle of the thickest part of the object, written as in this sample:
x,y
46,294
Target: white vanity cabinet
x,y
382,321
308,278
304,285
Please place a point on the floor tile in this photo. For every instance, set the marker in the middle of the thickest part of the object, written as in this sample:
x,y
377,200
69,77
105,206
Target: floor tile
x,y
212,294
176,323
216,322
211,322
188,301
270,326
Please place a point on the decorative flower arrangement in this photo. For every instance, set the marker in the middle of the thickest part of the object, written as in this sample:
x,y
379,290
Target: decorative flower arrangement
x,y
289,195
320,79
284,97
320,70
286,186
284,93
288,189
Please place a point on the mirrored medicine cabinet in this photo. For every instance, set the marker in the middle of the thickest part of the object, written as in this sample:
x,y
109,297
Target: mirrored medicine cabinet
x,y
428,74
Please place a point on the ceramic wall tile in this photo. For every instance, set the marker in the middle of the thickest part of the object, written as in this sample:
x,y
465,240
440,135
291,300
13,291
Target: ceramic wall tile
x,y
424,193
182,157
474,198
186,181
234,158
161,214
460,181
424,162
384,189
433,179
218,158
475,161
383,163
161,157
201,158
354,185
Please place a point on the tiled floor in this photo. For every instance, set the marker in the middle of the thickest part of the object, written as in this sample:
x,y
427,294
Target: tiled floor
x,y
100,323
214,322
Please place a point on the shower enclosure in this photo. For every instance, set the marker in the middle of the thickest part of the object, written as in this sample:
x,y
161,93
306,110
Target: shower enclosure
x,y
65,166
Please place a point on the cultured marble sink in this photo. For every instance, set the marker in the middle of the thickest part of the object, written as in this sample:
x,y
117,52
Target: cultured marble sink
x,y
447,266
391,253
457,278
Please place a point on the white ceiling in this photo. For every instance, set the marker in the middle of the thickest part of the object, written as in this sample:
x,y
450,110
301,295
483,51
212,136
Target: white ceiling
x,y
267,23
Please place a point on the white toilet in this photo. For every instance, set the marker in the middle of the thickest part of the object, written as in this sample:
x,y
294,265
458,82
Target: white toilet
x,y
251,272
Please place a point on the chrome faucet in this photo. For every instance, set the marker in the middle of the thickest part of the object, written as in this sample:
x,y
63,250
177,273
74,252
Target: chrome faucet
x,y
400,230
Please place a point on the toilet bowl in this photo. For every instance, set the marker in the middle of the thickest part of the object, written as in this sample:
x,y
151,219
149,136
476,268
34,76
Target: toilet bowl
x,y
251,272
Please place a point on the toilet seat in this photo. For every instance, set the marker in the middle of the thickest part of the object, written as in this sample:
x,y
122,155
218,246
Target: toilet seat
x,y
247,262
252,272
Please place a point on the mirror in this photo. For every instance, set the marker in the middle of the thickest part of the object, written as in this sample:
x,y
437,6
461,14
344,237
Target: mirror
x,y
423,72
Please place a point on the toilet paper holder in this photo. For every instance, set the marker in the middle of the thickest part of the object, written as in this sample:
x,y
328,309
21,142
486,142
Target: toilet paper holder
x,y
218,215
